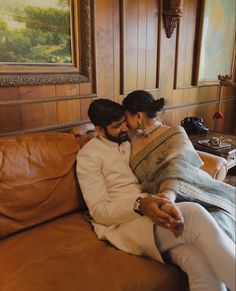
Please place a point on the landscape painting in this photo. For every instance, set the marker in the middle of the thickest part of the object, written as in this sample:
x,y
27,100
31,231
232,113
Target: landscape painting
x,y
35,32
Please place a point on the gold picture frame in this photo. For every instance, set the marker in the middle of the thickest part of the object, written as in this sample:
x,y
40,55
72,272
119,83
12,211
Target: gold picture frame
x,y
78,71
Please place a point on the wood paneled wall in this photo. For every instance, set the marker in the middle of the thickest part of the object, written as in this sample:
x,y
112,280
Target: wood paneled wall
x,y
131,52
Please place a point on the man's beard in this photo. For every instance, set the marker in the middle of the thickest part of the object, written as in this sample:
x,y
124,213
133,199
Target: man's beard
x,y
122,137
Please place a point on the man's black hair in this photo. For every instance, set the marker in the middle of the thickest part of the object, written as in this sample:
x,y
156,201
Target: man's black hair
x,y
103,112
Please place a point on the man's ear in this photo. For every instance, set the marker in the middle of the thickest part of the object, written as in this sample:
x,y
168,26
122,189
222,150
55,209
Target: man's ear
x,y
100,130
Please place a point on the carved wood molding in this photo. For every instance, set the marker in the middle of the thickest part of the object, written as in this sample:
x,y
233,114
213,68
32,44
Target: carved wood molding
x,y
172,12
21,79
56,74
85,38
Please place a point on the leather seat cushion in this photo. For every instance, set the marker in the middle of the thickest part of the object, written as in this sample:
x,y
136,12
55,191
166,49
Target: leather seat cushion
x,y
65,254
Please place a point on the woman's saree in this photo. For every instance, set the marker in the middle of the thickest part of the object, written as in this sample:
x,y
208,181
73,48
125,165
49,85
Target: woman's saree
x,y
170,161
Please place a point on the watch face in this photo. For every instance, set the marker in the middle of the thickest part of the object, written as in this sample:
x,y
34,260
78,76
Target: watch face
x,y
136,205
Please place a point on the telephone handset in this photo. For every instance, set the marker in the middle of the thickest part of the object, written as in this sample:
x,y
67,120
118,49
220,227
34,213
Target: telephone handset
x,y
194,124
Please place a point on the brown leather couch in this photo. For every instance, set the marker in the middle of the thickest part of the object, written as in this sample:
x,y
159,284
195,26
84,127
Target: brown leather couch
x,y
45,242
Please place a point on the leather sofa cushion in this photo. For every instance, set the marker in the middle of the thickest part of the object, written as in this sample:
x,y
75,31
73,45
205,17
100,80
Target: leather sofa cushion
x,y
65,254
37,179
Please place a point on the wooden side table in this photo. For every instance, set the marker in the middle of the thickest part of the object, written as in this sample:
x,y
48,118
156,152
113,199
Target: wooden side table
x,y
228,153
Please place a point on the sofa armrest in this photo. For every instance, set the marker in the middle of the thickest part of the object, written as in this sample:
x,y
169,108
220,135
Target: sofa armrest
x,y
214,165
83,133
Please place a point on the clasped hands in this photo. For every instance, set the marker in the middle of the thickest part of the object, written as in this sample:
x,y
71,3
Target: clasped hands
x,y
163,212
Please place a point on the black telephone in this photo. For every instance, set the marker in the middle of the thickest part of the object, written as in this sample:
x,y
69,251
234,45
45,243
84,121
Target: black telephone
x,y
194,124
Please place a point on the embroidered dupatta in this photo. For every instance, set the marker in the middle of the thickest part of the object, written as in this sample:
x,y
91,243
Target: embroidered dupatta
x,y
170,161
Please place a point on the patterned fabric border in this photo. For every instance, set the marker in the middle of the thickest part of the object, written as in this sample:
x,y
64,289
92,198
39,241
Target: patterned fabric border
x,y
139,156
193,192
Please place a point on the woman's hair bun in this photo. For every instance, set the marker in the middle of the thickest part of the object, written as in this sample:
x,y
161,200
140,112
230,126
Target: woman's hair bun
x,y
159,103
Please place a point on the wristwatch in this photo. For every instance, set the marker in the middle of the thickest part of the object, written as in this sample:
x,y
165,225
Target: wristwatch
x,y
137,203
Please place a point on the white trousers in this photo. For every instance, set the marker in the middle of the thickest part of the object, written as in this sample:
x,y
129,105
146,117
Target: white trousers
x,y
203,251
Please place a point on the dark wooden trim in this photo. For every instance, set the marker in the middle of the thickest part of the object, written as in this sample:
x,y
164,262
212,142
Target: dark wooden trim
x,y
176,55
122,54
197,42
58,128
169,108
44,100
158,44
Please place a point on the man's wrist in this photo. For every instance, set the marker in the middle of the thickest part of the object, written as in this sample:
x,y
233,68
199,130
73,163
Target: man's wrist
x,y
137,203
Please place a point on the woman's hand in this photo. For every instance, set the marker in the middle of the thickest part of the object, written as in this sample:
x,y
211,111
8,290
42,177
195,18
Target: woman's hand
x,y
177,225
168,194
163,213
151,207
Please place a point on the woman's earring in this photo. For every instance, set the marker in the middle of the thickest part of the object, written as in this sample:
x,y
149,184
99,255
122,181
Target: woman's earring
x,y
139,131
140,126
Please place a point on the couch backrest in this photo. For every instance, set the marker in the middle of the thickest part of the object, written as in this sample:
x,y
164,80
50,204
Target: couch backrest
x,y
37,179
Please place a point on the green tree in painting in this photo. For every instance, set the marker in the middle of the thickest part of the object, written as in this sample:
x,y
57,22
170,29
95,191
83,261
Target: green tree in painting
x,y
44,39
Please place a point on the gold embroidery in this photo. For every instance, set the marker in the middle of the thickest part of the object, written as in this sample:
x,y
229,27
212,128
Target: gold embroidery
x,y
148,148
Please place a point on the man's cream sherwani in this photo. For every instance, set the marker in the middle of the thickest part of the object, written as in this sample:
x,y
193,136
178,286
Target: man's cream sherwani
x,y
110,188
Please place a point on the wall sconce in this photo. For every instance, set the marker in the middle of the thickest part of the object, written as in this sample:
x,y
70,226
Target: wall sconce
x,y
172,12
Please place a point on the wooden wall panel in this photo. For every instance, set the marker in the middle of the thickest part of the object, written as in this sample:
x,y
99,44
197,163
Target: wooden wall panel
x,y
84,108
37,92
140,44
104,47
195,95
166,64
39,115
10,119
67,90
131,9
152,45
228,108
68,111
207,111
186,42
117,50
10,116
9,94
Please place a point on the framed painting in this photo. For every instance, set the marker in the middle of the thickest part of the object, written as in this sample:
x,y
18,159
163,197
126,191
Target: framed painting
x,y
217,40
44,42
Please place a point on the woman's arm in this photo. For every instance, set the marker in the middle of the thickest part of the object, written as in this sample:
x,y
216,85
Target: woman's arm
x,y
168,194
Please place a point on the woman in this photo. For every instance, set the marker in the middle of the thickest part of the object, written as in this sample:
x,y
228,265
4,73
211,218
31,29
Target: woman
x,y
165,162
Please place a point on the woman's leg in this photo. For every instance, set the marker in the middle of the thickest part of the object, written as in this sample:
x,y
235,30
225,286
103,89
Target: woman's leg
x,y
201,230
200,274
201,277
219,250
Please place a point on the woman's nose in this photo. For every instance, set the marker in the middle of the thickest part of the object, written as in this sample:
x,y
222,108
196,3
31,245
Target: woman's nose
x,y
124,127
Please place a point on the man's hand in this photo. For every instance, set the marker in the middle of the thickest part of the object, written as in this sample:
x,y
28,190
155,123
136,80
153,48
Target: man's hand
x,y
163,213
151,207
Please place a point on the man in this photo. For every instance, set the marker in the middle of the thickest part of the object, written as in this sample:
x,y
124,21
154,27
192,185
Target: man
x,y
133,221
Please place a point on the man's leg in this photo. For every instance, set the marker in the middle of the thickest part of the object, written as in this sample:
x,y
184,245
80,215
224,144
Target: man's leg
x,y
201,230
